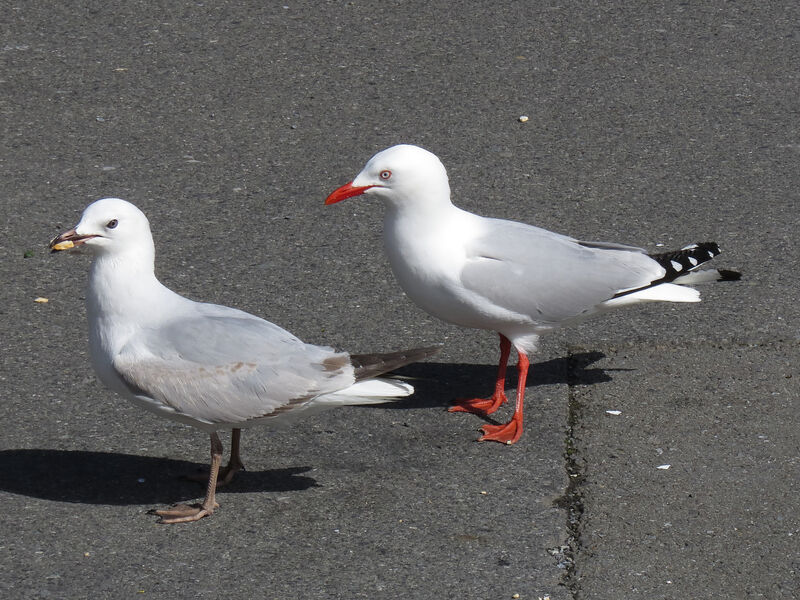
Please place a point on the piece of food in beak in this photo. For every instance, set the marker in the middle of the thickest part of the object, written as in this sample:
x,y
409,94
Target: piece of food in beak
x,y
65,245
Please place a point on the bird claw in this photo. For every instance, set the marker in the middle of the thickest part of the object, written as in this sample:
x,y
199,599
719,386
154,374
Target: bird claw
x,y
507,433
183,513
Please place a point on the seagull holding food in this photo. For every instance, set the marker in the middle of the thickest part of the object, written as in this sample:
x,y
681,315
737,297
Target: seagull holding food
x,y
212,367
516,279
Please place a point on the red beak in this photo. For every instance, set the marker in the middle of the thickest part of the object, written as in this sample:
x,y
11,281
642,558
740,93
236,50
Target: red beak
x,y
348,190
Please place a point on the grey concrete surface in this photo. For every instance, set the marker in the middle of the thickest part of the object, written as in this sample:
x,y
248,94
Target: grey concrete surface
x,y
694,488
228,124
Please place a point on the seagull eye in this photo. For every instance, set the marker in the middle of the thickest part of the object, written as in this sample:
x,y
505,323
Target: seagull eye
x,y
386,174
112,223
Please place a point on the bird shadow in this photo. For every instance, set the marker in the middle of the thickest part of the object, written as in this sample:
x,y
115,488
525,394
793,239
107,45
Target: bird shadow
x,y
123,479
87,477
439,384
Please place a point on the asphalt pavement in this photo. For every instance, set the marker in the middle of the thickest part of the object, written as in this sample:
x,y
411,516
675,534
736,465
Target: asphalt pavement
x,y
229,123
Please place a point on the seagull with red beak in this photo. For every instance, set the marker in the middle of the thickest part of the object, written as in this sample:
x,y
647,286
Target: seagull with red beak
x,y
515,279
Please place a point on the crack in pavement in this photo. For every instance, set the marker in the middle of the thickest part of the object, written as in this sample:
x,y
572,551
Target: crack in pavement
x,y
572,499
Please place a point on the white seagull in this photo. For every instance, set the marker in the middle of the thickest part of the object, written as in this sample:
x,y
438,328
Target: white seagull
x,y
209,366
518,280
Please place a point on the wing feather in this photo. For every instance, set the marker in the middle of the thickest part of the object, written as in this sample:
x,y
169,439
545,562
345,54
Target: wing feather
x,y
549,277
228,367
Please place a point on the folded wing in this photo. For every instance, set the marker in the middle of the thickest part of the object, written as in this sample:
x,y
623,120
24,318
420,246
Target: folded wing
x,y
225,366
549,277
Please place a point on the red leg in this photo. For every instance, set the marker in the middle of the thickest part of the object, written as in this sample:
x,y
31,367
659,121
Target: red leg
x,y
486,406
511,431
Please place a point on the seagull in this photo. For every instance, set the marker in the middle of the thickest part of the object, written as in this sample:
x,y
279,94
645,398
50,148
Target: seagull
x,y
515,279
209,366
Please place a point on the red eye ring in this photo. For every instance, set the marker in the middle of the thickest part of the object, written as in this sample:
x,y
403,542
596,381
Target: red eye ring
x,y
386,174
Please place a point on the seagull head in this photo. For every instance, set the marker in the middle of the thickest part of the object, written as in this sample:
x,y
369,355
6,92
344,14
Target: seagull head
x,y
403,175
108,226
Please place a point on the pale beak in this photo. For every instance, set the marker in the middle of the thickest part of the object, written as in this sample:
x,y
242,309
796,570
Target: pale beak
x,y
68,239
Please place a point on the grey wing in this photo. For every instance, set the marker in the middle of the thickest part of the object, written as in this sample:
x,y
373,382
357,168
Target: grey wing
x,y
229,367
547,276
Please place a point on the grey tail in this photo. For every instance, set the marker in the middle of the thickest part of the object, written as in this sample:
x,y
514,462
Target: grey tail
x,y
372,365
681,265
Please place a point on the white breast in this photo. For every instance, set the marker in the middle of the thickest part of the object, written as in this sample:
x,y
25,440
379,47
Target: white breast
x,y
427,256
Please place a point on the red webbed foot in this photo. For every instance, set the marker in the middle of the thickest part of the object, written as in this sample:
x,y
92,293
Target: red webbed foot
x,y
479,406
507,433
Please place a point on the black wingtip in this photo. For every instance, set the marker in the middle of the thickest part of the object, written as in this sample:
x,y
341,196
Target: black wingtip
x,y
679,262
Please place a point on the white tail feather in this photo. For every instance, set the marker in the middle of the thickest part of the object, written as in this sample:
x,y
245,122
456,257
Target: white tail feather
x,y
704,276
369,391
666,292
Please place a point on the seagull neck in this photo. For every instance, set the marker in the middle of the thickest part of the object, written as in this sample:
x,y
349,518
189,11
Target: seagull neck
x,y
424,211
421,221
120,285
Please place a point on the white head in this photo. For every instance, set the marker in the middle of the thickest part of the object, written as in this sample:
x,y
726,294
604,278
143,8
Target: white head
x,y
110,227
404,176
